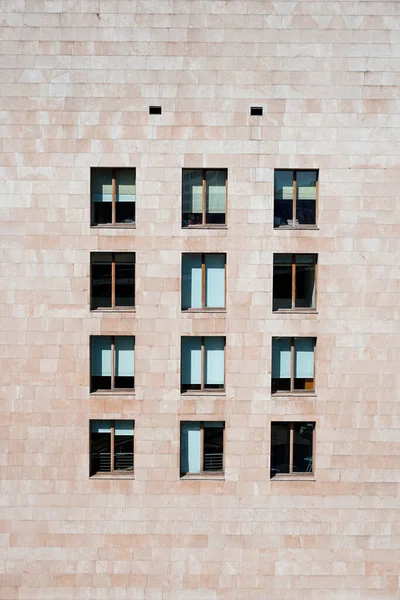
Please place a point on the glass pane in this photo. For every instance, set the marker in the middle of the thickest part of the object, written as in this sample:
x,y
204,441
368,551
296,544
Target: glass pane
x,y
126,188
306,197
124,427
125,212
214,369
124,362
281,364
304,363
305,281
192,197
283,198
124,280
280,450
100,426
123,446
101,281
100,448
215,280
191,281
102,185
303,447
190,447
213,447
101,363
191,364
282,281
101,213
215,197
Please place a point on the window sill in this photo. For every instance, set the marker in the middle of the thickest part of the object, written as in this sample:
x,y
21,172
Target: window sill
x,y
297,477
210,226
305,394
128,309
113,393
194,393
116,226
203,477
296,227
294,311
203,310
130,476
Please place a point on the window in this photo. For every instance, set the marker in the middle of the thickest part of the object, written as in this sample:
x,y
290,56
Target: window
x,y
203,281
203,364
113,280
112,363
292,447
294,281
111,447
293,364
202,447
113,196
204,197
295,198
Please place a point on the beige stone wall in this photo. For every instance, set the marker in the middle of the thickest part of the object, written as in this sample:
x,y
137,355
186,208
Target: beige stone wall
x,y
77,77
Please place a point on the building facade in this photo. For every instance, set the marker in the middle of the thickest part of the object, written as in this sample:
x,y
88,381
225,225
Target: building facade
x,y
200,336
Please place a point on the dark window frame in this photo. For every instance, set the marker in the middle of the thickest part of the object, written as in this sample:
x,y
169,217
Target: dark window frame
x,y
293,390
113,307
203,283
203,473
310,472
113,389
295,308
294,200
203,389
204,224
113,223
113,471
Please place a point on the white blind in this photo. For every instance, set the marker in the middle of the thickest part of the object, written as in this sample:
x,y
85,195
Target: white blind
x,y
306,185
216,191
283,185
100,426
192,191
215,280
214,368
124,356
281,358
101,356
102,185
126,187
190,447
191,360
304,358
123,428
191,281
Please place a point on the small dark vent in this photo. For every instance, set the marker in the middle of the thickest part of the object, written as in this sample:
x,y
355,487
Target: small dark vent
x,y
154,110
256,111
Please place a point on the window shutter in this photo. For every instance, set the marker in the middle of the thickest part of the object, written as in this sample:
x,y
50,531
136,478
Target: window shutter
x,y
190,447
102,186
191,281
216,191
124,356
101,356
214,360
126,188
215,280
191,360
281,358
304,358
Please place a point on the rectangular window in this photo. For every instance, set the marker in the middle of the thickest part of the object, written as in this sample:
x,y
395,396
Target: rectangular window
x,y
112,363
111,447
204,197
203,364
203,281
113,193
292,447
113,280
292,364
202,447
295,198
294,281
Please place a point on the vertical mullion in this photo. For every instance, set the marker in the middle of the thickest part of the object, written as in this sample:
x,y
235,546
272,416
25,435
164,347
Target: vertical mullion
x,y
291,438
201,447
293,281
113,280
112,362
202,363
113,198
294,197
112,447
204,197
292,364
203,280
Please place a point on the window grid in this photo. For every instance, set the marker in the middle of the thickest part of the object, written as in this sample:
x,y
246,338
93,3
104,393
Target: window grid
x,y
203,284
113,388
293,266
202,379
292,370
113,281
310,468
295,171
112,470
203,471
204,199
113,198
